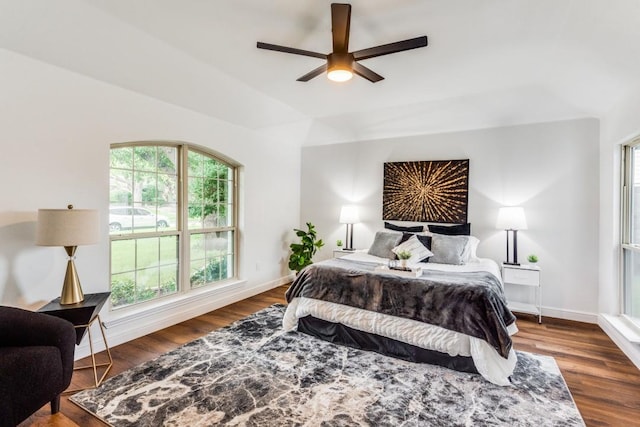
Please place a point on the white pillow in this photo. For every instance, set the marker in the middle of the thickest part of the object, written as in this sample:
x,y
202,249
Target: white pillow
x,y
417,249
469,253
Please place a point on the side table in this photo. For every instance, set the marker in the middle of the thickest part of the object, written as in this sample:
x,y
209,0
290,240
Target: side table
x,y
83,315
524,275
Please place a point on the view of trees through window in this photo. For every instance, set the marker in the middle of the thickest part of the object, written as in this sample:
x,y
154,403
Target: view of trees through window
x,y
210,207
171,221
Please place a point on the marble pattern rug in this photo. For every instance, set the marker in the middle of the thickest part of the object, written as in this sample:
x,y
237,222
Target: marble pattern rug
x,y
251,373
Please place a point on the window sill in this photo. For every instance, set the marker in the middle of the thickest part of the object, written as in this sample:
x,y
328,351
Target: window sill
x,y
125,315
624,327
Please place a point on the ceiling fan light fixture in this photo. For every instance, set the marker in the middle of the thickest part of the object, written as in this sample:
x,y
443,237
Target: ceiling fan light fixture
x,y
339,75
339,67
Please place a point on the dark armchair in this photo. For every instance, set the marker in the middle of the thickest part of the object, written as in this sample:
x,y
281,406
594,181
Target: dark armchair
x,y
36,362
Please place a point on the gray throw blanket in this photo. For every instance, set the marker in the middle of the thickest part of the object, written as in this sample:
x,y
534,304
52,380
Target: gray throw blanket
x,y
471,303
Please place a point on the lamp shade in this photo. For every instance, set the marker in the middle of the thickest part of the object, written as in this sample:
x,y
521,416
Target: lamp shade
x,y
349,215
67,227
511,218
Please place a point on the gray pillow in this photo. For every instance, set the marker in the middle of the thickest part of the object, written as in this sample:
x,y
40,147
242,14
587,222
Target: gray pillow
x,y
383,244
448,249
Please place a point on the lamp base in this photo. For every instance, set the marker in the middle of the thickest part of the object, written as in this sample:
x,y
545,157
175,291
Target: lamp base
x,y
349,238
71,289
510,263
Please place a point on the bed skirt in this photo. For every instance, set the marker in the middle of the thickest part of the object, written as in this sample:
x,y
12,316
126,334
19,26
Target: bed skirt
x,y
344,335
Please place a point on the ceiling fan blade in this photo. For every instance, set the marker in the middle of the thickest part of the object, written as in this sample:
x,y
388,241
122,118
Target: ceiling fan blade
x,y
365,72
315,73
340,23
386,49
293,50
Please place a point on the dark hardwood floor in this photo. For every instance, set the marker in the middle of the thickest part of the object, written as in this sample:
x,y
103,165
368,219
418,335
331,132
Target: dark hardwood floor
x,y
604,383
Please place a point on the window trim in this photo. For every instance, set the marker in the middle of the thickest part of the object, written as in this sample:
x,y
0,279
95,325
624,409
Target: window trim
x,y
626,189
184,289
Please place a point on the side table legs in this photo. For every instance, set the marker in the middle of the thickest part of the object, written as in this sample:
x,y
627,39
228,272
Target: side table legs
x,y
95,365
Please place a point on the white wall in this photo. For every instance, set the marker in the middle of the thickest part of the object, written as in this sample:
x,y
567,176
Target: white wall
x,y
550,169
56,130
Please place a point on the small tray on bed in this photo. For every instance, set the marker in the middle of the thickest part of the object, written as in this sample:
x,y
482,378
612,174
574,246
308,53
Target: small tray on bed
x,y
408,272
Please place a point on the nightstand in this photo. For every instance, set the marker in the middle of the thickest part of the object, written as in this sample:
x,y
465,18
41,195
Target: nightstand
x,y
83,315
339,253
524,275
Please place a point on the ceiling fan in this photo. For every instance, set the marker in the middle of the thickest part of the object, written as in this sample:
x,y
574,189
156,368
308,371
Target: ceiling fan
x,y
342,64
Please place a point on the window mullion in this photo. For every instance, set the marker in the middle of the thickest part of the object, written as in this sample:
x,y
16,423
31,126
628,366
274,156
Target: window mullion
x,y
183,202
236,237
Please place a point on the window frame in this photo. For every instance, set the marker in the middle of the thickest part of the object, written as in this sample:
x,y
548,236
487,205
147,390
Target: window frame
x,y
627,173
182,231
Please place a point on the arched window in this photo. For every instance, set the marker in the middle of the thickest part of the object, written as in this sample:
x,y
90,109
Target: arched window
x,y
172,220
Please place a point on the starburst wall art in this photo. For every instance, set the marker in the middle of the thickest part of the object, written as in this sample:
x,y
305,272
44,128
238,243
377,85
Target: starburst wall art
x,y
428,191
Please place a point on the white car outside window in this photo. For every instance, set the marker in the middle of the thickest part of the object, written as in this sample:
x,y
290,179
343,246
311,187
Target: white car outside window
x,y
125,217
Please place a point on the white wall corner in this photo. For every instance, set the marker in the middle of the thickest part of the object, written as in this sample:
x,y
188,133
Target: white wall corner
x,y
622,336
143,323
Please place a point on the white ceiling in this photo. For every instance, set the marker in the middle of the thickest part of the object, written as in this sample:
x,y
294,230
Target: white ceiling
x,y
489,62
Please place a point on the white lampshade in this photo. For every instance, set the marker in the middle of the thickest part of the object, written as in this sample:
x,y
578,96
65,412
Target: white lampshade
x,y
67,227
349,215
511,218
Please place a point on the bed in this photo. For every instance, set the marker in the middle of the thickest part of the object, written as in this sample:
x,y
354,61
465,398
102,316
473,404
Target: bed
x,y
453,315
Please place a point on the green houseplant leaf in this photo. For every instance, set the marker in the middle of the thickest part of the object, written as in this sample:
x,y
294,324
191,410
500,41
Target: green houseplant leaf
x,y
303,252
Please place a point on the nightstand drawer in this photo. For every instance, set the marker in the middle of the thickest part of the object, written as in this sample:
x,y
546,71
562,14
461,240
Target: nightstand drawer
x,y
339,253
521,277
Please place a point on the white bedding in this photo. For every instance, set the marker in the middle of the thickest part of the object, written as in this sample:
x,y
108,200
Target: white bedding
x,y
488,362
477,264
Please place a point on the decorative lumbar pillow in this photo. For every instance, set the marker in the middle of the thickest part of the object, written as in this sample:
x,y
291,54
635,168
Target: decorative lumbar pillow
x,y
451,230
449,249
383,243
411,229
426,240
415,247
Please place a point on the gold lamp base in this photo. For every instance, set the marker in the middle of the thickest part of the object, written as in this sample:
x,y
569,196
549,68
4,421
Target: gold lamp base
x,y
71,289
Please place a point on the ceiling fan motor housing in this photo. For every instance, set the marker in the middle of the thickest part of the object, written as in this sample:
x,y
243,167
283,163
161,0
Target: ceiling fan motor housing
x,y
340,61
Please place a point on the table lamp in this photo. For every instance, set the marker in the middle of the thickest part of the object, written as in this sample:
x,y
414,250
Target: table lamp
x,y
349,215
69,228
511,218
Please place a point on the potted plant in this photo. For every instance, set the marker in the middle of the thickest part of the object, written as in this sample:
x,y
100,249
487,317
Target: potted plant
x,y
301,253
339,243
403,256
533,259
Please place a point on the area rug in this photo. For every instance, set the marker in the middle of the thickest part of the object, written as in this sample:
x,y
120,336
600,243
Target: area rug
x,y
251,373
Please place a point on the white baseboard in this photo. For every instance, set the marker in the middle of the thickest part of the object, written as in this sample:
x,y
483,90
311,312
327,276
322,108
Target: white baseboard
x,y
577,316
609,325
142,322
